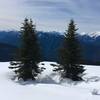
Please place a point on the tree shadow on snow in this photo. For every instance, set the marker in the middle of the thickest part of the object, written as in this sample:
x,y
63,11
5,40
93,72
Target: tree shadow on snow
x,y
92,79
44,80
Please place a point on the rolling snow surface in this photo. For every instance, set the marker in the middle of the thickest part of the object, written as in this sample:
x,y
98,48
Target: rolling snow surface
x,y
49,85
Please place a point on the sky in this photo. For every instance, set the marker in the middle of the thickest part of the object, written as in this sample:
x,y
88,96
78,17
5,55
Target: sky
x,y
51,15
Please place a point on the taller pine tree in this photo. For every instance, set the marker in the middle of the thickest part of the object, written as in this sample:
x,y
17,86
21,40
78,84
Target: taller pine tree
x,y
29,55
70,55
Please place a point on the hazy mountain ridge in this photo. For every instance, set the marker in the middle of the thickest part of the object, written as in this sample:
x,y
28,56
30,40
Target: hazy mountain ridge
x,y
51,42
10,37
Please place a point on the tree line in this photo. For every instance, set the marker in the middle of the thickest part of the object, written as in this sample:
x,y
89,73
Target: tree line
x,y
29,55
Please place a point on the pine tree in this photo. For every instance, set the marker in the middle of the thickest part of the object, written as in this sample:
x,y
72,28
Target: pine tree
x,y
70,55
29,54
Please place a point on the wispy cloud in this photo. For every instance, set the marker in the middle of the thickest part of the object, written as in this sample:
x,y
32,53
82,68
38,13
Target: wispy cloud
x,y
52,14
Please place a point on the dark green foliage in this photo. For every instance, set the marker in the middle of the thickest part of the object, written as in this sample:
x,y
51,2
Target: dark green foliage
x,y
29,55
70,55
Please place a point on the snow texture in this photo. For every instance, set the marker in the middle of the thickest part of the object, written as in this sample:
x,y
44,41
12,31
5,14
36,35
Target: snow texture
x,y
49,85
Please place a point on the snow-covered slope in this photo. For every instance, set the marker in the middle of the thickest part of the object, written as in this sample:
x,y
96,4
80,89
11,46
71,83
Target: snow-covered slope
x,y
48,85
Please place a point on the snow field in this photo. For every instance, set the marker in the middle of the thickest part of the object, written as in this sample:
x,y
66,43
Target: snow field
x,y
49,86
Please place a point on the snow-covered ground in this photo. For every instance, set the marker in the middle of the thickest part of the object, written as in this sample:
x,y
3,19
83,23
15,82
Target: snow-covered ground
x,y
49,86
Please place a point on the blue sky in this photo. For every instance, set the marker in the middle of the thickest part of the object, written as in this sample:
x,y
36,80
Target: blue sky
x,y
51,15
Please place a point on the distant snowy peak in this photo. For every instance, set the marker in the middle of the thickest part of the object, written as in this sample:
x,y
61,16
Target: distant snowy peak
x,y
95,34
92,35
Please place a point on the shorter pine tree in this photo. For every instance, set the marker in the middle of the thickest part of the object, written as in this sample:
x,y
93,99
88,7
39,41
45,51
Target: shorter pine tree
x,y
70,55
29,55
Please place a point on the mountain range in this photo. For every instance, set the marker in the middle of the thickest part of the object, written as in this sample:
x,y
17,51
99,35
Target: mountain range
x,y
50,43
